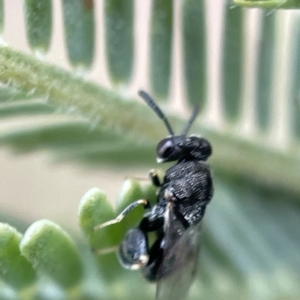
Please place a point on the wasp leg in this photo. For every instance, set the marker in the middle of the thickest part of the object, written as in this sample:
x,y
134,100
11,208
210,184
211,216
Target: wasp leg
x,y
105,251
154,262
133,251
154,178
123,214
153,220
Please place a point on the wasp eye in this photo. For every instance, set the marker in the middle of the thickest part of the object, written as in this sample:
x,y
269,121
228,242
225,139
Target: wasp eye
x,y
165,148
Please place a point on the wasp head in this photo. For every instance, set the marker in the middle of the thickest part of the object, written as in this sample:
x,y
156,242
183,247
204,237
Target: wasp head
x,y
183,148
179,147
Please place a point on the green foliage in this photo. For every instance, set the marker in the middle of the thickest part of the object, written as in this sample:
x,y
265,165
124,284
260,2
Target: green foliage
x,y
96,209
45,243
119,39
79,30
287,4
250,235
161,47
232,60
46,254
231,264
14,268
39,23
194,26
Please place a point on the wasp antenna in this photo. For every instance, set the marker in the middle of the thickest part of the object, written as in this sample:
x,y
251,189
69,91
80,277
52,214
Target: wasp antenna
x,y
192,119
156,109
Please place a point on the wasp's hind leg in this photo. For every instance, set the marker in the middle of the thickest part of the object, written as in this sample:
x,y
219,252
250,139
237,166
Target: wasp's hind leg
x,y
155,256
133,251
123,214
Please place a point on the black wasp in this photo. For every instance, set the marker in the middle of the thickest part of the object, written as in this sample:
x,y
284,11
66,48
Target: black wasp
x,y
183,194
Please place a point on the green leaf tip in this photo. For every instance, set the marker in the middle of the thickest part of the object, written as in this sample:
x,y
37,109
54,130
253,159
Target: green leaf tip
x,y
38,24
51,251
161,47
274,4
15,270
95,209
130,191
79,25
119,38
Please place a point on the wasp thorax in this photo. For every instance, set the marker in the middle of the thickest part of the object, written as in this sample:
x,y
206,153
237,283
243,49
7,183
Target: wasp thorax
x,y
198,148
182,147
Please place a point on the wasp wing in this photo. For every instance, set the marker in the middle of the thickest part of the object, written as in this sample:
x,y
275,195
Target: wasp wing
x,y
180,259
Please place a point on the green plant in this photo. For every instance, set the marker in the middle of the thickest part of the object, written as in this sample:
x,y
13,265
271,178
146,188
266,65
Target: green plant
x,y
251,237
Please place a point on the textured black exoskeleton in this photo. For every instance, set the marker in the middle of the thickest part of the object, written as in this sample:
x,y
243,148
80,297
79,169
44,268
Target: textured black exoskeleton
x,y
183,195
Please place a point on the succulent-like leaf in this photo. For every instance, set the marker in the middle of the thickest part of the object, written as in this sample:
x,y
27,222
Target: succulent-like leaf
x,y
15,270
51,251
